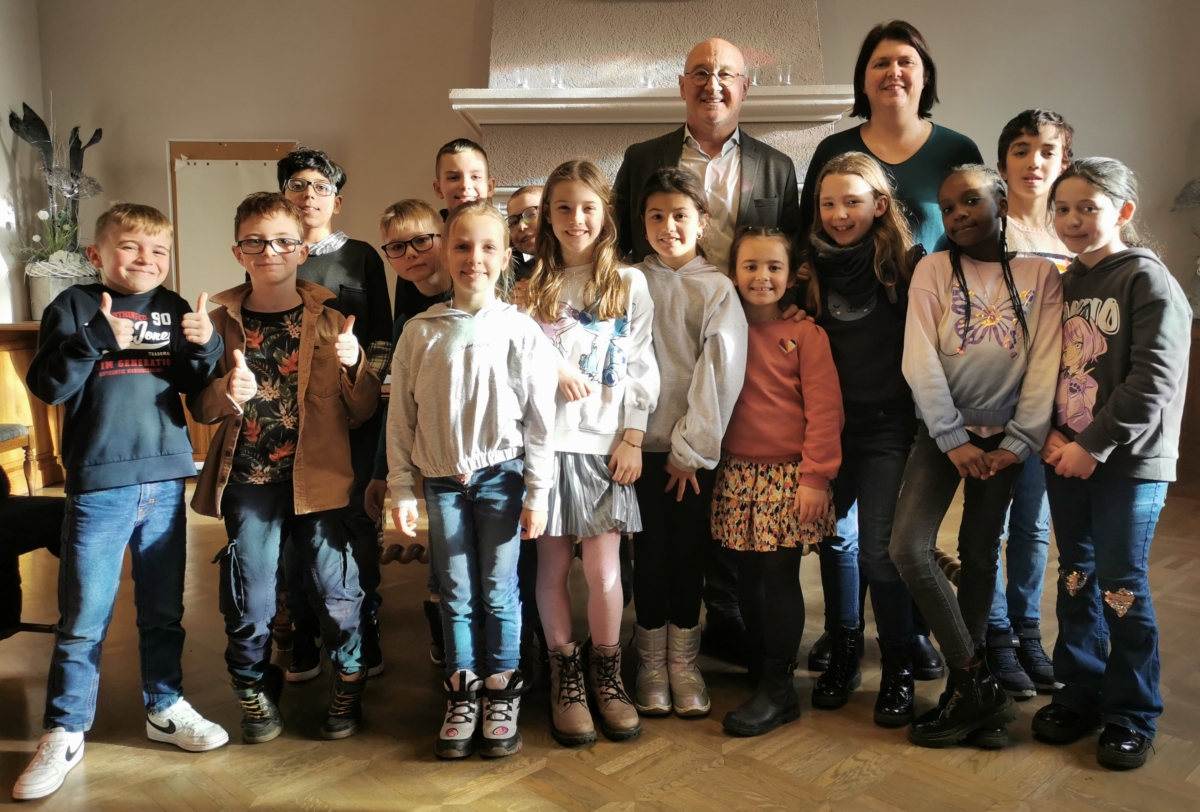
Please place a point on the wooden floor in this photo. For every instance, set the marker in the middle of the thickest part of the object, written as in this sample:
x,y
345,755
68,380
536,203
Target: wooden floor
x,y
834,760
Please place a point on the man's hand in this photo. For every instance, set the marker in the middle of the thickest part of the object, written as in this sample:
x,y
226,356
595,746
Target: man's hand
x,y
347,344
679,481
405,519
574,385
533,523
373,498
122,329
197,326
795,314
811,504
971,461
1073,460
242,385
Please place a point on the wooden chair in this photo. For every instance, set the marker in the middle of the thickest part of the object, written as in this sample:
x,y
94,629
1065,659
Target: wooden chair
x,y
14,436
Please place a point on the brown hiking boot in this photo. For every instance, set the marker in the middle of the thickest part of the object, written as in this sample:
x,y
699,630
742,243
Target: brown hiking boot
x,y
570,720
618,717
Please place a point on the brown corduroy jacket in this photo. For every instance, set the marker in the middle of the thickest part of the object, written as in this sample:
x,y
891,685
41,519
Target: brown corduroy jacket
x,y
332,399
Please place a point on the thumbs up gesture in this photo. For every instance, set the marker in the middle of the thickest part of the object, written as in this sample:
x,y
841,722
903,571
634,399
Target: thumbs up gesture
x,y
347,345
242,385
122,328
197,326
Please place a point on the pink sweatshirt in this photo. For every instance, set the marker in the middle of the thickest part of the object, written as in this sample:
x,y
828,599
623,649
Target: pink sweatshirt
x,y
791,403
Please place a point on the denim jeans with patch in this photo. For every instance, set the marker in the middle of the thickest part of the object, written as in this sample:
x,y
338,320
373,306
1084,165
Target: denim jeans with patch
x,y
150,519
1106,654
257,519
474,546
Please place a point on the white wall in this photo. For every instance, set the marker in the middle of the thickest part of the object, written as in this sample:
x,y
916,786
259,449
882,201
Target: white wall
x,y
21,190
1123,74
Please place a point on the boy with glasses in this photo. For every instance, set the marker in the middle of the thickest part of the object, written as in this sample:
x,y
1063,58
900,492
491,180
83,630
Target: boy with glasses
x,y
290,384
354,273
522,231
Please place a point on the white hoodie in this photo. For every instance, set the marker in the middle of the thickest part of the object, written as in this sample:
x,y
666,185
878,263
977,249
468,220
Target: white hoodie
x,y
700,339
469,392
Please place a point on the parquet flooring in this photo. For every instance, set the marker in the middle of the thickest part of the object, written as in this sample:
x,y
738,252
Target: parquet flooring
x,y
836,761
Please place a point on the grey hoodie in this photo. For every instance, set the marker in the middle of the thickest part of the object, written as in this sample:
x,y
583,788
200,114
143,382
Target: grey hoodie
x,y
469,392
700,338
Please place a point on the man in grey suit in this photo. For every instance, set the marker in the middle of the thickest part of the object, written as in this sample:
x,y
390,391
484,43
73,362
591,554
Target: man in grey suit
x,y
746,181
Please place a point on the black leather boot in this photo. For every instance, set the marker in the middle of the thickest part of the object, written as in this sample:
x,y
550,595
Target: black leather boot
x,y
833,687
927,660
973,699
894,706
822,650
773,704
1121,748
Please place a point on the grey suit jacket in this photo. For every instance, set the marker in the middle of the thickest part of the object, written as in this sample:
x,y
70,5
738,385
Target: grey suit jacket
x,y
768,195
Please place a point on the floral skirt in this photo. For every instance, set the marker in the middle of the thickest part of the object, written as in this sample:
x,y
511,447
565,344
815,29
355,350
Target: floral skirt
x,y
752,507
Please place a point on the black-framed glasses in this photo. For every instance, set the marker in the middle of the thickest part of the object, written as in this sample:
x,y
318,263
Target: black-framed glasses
x,y
281,245
420,243
701,77
527,216
323,188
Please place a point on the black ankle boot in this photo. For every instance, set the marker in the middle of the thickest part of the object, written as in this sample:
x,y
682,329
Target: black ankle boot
x,y
833,687
1034,660
1002,651
894,706
973,699
927,661
822,650
773,704
437,639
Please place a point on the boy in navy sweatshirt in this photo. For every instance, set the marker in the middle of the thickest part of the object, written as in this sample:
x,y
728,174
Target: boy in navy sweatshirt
x,y
118,354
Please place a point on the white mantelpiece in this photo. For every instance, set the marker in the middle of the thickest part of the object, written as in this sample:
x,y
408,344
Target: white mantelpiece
x,y
794,104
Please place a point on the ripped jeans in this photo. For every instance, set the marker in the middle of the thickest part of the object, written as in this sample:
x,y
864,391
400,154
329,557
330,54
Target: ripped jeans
x,y
1106,654
257,519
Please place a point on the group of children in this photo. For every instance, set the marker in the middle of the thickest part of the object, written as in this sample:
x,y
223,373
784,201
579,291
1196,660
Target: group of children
x,y
549,399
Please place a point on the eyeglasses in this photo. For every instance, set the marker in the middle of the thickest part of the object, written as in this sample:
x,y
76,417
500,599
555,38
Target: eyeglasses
x,y
701,77
323,188
527,216
281,245
420,243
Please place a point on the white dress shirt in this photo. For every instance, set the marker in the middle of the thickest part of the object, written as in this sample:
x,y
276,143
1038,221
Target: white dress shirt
x,y
722,180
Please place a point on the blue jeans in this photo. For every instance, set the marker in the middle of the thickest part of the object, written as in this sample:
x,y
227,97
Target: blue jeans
x,y
257,519
1107,662
474,546
151,520
874,452
1028,548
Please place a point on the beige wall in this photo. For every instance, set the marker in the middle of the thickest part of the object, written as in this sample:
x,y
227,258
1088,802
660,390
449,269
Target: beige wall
x,y
1123,74
21,191
366,81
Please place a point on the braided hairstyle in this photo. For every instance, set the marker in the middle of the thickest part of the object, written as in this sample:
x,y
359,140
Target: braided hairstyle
x,y
999,191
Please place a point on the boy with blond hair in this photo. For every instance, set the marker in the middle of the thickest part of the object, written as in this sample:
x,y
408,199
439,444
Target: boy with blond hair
x,y
291,383
118,354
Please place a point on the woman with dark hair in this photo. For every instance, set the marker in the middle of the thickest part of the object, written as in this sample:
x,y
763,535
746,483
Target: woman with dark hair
x,y
895,88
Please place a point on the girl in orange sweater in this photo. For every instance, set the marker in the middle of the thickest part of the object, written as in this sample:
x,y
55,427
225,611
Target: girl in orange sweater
x,y
772,498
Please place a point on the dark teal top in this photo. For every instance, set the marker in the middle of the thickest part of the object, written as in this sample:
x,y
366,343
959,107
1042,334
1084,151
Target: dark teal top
x,y
916,180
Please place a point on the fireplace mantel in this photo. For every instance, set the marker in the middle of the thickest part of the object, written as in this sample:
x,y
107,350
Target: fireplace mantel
x,y
480,107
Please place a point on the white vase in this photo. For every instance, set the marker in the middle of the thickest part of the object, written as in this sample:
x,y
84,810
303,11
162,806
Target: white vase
x,y
46,279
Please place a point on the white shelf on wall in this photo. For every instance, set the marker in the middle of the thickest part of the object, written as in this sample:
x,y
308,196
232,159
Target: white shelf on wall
x,y
615,105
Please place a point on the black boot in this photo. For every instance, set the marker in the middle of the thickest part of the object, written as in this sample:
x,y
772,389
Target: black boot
x,y
372,653
927,661
822,650
1034,660
773,704
1121,748
345,706
1058,724
833,687
261,720
973,699
894,706
437,644
1002,648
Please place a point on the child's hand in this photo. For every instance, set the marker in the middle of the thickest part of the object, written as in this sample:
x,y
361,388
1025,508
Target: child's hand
x,y
795,314
811,504
1000,459
197,326
122,329
1072,460
520,294
405,519
242,385
1054,441
533,523
679,480
626,461
373,498
970,460
574,385
347,345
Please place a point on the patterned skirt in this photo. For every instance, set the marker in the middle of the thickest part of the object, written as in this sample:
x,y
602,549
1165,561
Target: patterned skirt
x,y
585,501
752,507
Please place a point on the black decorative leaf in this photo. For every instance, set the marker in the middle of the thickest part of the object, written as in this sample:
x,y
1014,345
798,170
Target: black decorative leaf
x,y
32,129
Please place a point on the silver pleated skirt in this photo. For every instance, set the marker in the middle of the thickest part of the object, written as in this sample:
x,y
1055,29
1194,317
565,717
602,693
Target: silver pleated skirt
x,y
585,501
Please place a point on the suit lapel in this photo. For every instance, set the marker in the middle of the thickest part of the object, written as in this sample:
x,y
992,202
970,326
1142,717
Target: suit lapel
x,y
750,180
672,149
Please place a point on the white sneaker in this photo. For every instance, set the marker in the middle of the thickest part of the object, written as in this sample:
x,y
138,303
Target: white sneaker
x,y
57,753
501,705
181,726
